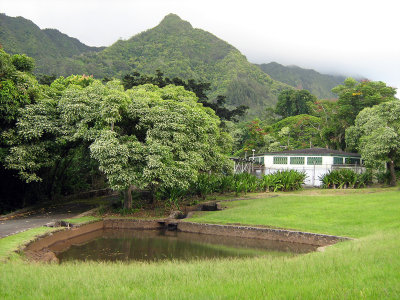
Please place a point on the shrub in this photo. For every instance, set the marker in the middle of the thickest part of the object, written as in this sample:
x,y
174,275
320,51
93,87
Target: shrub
x,y
207,184
171,196
345,178
288,180
23,63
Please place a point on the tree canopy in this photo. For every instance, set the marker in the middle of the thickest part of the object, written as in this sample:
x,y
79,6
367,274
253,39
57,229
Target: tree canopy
x,y
337,116
296,132
199,88
354,96
294,102
376,134
145,137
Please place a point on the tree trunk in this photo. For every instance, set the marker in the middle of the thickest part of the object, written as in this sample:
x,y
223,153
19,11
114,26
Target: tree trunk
x,y
392,173
128,197
152,194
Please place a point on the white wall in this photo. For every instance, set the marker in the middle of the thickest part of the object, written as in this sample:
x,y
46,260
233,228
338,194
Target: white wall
x,y
314,173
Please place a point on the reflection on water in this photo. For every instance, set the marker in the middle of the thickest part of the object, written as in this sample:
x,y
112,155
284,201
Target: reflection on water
x,y
151,245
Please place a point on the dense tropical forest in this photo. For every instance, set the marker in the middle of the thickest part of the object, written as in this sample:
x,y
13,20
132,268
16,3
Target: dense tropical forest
x,y
320,85
164,108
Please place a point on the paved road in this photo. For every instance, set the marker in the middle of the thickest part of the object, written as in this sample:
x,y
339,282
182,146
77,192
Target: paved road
x,y
40,217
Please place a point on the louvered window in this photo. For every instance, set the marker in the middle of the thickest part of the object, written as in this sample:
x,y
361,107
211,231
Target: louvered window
x,y
352,161
280,160
297,160
314,160
338,160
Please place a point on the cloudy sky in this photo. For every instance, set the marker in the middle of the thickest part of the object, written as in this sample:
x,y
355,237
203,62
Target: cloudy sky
x,y
350,37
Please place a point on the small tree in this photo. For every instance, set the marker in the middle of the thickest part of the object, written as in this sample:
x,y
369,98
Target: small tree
x,y
294,102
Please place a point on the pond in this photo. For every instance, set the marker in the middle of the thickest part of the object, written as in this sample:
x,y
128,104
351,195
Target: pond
x,y
154,245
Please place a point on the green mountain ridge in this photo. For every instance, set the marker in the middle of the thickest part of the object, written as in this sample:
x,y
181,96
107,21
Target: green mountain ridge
x,y
173,47
318,84
179,50
47,46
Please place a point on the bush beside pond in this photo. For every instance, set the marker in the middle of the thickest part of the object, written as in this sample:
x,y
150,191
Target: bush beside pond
x,y
207,184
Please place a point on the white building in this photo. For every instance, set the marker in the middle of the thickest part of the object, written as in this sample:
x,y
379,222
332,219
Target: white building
x,y
315,162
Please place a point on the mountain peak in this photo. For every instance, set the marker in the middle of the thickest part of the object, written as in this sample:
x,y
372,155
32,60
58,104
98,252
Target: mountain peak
x,y
174,21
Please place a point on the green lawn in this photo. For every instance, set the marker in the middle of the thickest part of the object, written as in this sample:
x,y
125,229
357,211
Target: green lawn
x,y
338,213
82,220
365,268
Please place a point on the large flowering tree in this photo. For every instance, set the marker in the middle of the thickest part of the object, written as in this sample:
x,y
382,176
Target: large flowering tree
x,y
147,137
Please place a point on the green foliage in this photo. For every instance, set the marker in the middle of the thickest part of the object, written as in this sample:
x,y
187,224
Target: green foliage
x,y
243,183
46,79
383,177
172,196
346,178
199,88
135,79
254,136
205,185
289,180
376,134
331,128
17,89
297,132
23,63
318,84
355,96
294,102
146,137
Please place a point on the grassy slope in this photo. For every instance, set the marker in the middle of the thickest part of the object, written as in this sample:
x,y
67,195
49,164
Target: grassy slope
x,y
12,243
364,268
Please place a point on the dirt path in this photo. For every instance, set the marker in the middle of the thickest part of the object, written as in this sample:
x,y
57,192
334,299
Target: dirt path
x,y
39,217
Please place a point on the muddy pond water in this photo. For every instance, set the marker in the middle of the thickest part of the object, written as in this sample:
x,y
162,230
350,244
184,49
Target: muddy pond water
x,y
154,245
